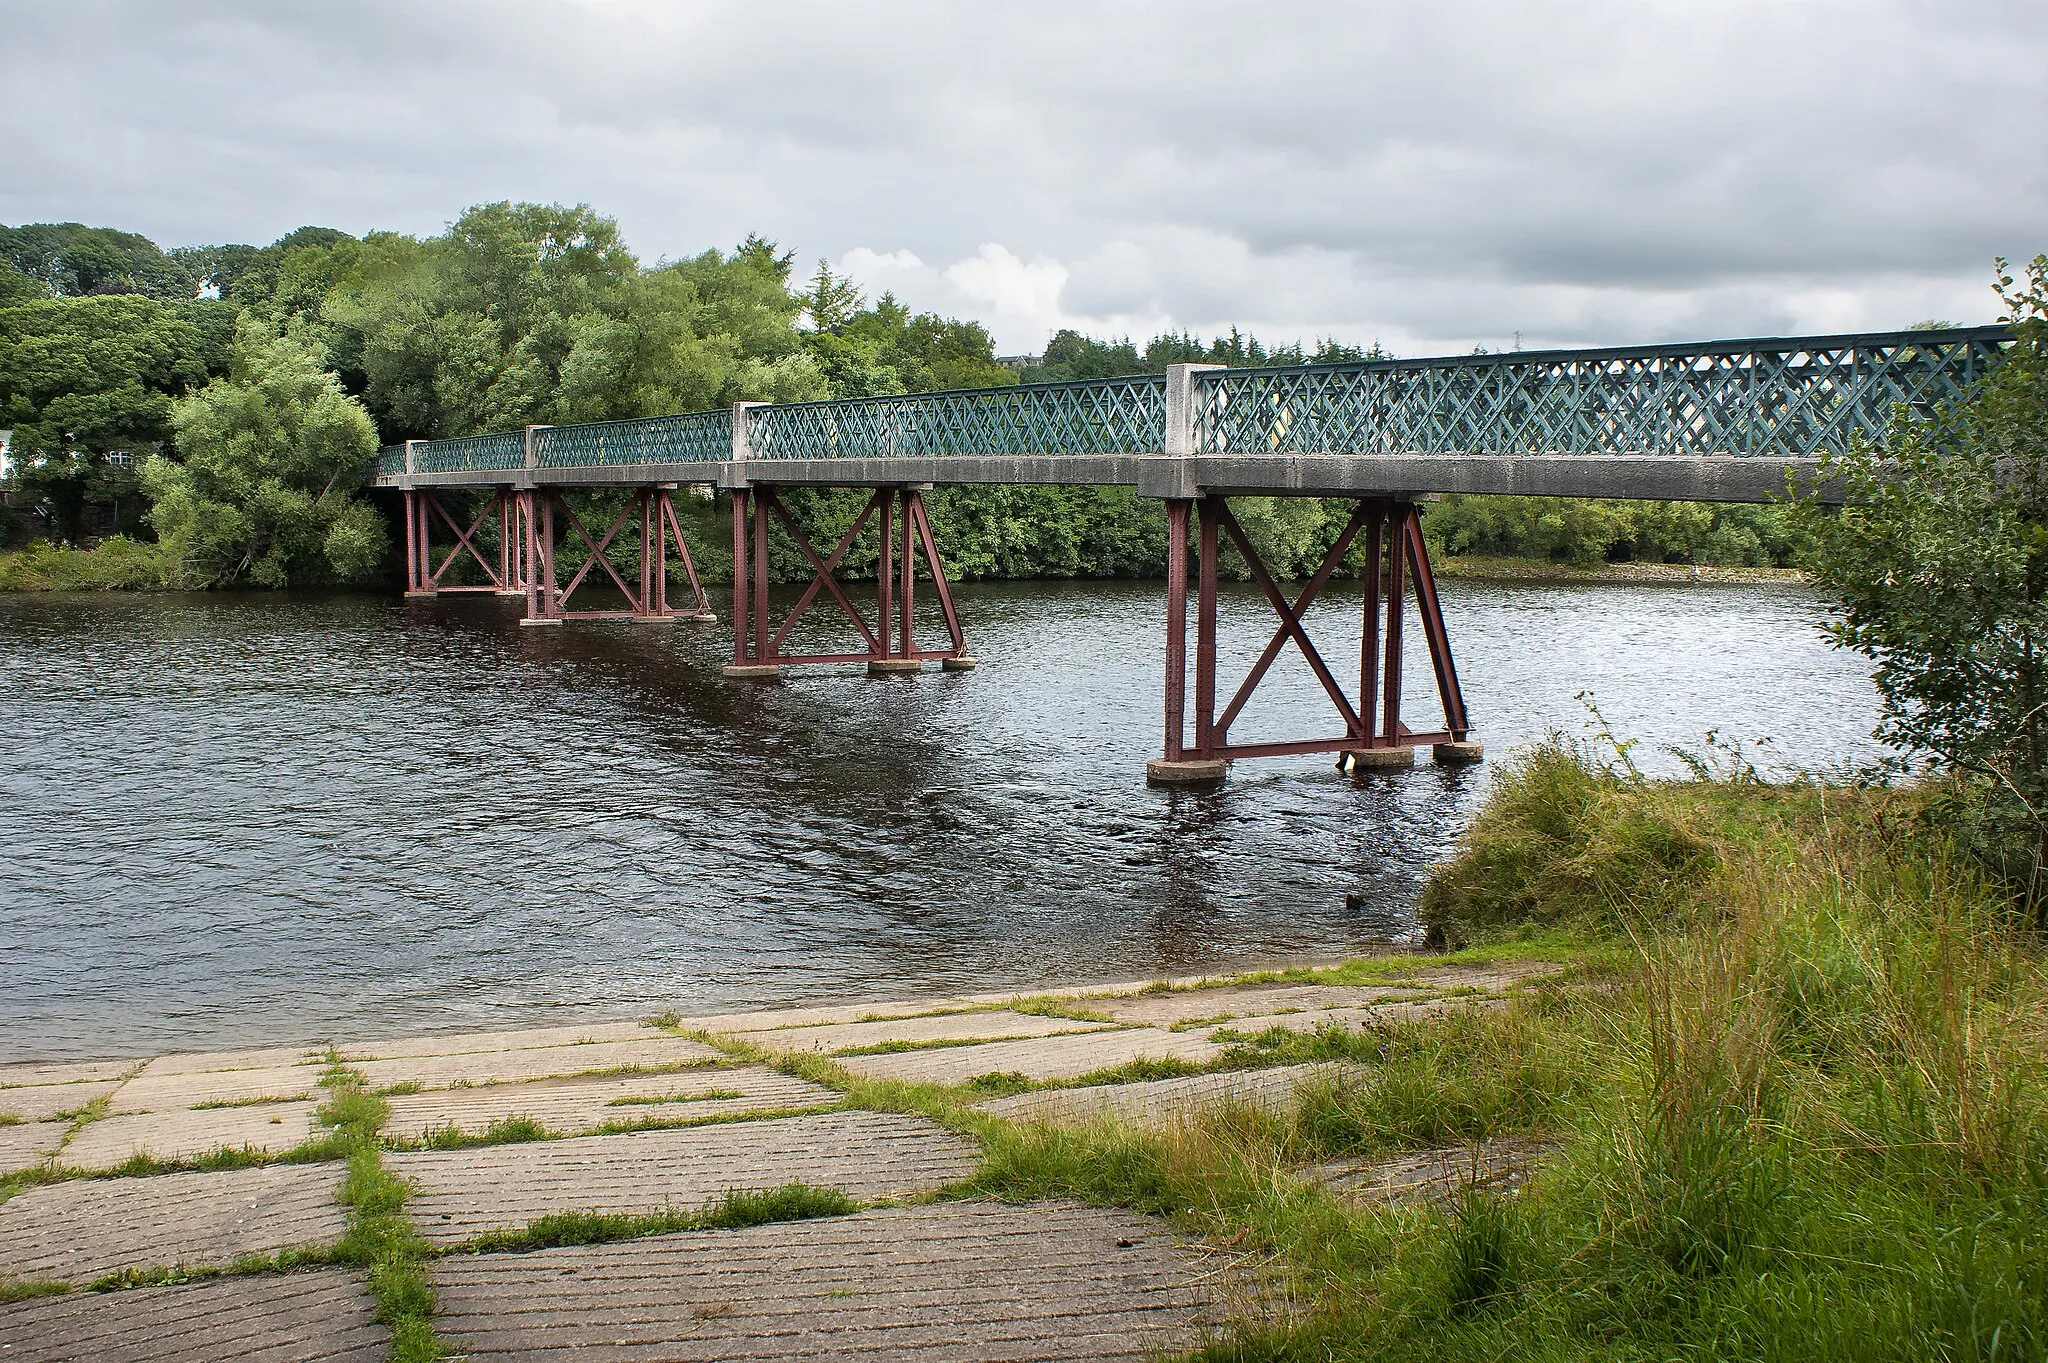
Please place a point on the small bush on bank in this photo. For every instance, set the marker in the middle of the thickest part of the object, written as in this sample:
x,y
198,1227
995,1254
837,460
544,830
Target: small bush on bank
x,y
116,564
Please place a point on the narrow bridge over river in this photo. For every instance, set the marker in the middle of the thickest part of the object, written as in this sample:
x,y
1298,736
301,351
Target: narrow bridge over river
x,y
1727,421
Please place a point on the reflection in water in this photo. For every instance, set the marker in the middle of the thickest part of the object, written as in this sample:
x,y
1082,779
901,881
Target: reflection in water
x,y
235,818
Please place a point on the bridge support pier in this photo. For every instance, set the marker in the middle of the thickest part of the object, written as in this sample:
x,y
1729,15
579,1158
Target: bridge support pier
x,y
1374,735
423,579
903,531
647,518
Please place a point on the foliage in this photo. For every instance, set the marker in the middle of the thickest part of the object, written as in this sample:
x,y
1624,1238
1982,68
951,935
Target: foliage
x,y
1808,1118
114,564
69,259
1070,356
1590,531
270,455
1939,565
83,378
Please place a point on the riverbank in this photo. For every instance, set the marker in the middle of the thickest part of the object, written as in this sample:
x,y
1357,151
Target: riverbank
x,y
131,565
1721,1069
1479,568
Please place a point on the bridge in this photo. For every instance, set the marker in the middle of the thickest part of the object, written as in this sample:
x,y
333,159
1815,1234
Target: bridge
x,y
1728,421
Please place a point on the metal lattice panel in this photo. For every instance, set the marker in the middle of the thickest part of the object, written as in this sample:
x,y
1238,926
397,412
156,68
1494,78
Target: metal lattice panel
x,y
390,460
693,437
1111,416
470,453
1790,398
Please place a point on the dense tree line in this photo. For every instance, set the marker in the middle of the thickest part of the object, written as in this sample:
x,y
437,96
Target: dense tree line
x,y
232,385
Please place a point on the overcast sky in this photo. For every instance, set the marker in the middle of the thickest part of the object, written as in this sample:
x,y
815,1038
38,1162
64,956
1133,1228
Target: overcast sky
x,y
1433,175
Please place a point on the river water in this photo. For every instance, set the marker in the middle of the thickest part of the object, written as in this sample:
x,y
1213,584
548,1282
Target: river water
x,y
232,819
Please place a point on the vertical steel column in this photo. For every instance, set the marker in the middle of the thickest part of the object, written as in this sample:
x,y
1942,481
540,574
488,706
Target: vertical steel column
x,y
662,511
644,606
906,597
412,547
1205,628
1430,608
529,554
504,582
1390,723
741,620
1369,640
884,569
550,588
760,497
1176,625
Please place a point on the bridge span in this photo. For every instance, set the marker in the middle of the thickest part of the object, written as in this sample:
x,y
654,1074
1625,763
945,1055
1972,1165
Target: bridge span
x,y
1726,421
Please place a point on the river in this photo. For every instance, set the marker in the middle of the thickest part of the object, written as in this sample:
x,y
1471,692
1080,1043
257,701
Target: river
x,y
233,819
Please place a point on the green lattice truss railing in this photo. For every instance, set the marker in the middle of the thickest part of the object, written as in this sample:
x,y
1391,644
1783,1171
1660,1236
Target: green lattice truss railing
x,y
1792,397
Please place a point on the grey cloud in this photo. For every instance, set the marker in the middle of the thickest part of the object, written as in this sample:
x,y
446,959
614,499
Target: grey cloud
x,y
1442,172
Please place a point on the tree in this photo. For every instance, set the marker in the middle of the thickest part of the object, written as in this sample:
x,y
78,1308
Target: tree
x,y
72,260
1939,567
832,299
271,454
83,378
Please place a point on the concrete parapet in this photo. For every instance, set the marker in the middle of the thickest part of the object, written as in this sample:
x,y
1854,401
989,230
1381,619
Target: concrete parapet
x,y
752,671
1457,754
1355,760
1185,772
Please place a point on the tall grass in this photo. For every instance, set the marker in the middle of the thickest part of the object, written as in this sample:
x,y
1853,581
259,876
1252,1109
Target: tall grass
x,y
1806,1119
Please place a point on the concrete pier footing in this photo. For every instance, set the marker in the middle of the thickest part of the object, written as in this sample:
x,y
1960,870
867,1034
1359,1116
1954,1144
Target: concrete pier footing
x,y
1356,760
655,619
539,620
1457,754
516,591
421,596
960,664
752,671
700,617
1186,772
884,667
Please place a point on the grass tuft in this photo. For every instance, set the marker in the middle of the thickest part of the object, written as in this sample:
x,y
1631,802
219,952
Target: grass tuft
x,y
735,1210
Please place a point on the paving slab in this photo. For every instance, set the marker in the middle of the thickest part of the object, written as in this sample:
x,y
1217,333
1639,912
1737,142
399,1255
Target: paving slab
x,y
1351,1019
515,1039
867,1155
1053,1057
200,1062
183,1133
576,1106
1502,1165
81,1229
541,1062
154,1091
1155,1101
322,1316
982,1026
1231,1001
28,1144
42,1102
940,1283
63,1071
768,1018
